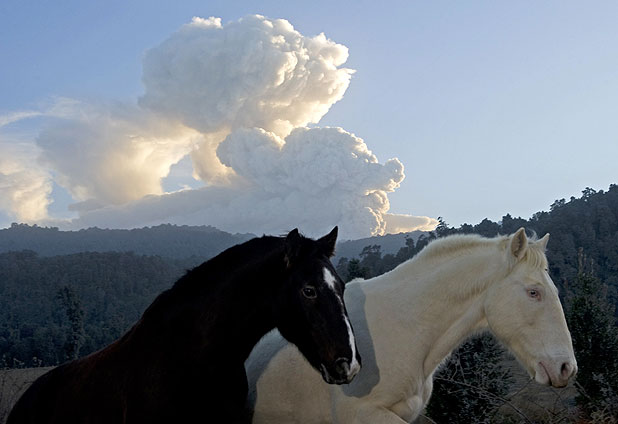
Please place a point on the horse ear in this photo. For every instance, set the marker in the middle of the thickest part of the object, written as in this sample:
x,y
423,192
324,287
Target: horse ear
x,y
543,242
292,247
519,243
329,241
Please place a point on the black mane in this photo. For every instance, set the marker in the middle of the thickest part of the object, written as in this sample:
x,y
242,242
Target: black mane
x,y
230,267
233,263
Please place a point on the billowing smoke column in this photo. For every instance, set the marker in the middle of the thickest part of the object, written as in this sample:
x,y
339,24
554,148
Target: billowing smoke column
x,y
313,168
236,98
252,73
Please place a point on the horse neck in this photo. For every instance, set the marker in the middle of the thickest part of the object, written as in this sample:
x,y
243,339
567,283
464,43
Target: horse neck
x,y
231,313
440,300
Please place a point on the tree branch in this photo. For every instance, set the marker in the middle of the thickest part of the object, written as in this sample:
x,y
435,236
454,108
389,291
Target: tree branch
x,y
480,389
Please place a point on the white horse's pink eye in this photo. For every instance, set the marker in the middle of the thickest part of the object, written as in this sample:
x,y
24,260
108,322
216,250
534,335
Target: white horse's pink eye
x,y
533,293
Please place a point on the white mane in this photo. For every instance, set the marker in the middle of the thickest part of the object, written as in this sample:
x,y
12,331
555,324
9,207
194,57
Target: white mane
x,y
463,244
489,253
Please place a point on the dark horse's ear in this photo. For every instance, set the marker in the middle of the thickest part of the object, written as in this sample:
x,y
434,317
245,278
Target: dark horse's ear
x,y
329,241
292,247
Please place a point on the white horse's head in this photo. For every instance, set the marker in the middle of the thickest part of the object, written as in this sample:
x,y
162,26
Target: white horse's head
x,y
523,310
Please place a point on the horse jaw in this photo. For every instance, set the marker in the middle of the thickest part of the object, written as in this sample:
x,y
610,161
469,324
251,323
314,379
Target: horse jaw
x,y
553,367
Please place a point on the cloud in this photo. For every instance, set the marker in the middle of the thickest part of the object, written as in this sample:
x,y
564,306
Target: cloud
x,y
17,116
113,154
254,72
25,188
321,176
26,185
236,99
402,223
59,107
313,179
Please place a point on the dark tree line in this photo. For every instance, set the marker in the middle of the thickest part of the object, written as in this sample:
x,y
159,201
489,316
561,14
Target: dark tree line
x,y
57,308
171,241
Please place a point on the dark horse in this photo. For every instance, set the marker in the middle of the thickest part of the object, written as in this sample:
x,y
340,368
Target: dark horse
x,y
183,361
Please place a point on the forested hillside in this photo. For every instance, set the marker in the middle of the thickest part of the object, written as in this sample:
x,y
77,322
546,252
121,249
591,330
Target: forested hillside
x,y
56,308
389,243
171,241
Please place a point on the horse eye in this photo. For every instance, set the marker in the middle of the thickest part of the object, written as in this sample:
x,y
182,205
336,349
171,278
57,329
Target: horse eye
x,y
533,293
309,292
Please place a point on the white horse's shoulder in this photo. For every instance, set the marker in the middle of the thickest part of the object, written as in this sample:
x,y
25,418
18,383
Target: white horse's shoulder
x,y
267,367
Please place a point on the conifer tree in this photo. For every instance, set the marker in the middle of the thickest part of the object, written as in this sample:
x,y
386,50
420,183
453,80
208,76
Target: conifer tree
x,y
471,384
593,328
75,315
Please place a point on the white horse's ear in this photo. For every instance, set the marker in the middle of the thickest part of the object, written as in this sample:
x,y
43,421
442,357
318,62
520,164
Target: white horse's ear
x,y
519,243
543,242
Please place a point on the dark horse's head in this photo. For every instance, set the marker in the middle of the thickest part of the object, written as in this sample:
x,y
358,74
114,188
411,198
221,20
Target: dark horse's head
x,y
310,311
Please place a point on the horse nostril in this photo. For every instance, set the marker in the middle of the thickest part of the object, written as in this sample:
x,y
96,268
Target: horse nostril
x,y
566,370
342,365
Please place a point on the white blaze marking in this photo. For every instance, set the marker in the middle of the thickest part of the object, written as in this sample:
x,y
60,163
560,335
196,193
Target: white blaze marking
x,y
330,280
354,366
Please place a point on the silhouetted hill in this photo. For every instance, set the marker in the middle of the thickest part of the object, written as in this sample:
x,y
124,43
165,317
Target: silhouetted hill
x,y
171,241
389,243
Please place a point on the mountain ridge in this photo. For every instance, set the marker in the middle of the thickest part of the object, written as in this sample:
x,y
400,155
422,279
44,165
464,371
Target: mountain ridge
x,y
165,240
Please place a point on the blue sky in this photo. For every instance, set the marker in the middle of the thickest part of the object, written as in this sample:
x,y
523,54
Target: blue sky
x,y
492,107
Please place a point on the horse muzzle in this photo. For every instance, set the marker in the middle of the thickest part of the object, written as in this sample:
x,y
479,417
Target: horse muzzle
x,y
342,372
555,373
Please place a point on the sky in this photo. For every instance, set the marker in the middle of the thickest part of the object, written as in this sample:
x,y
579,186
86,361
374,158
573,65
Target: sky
x,y
375,116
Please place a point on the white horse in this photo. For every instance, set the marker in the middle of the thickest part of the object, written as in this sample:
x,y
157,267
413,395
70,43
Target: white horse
x,y
410,319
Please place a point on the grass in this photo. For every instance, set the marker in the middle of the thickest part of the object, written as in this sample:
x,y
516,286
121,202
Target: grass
x,y
13,382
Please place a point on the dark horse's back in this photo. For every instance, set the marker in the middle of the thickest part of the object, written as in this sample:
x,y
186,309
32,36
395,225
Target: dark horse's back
x,y
63,394
38,394
93,390
43,399
108,386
